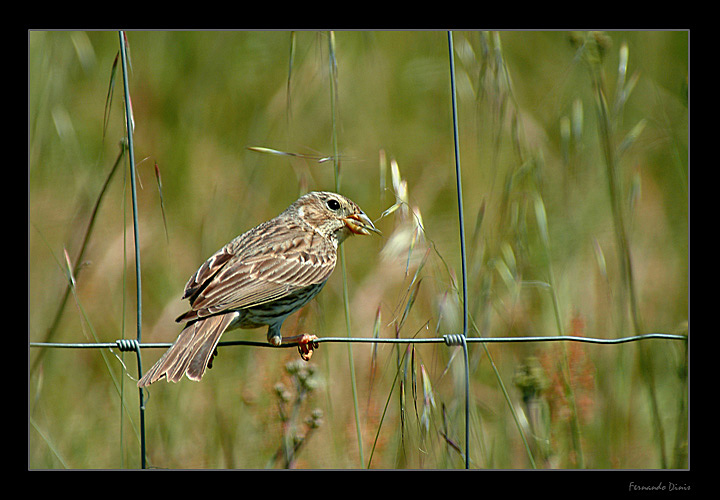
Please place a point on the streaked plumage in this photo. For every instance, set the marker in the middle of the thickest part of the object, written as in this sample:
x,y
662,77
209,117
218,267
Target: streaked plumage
x,y
260,278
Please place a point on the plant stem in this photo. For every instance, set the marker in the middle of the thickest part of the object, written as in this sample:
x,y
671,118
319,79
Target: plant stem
x,y
625,261
346,298
78,260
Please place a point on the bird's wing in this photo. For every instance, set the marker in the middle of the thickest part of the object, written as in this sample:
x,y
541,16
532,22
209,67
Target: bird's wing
x,y
258,267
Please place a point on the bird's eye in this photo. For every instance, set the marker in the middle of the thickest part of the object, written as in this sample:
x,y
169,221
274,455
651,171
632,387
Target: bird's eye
x,y
333,204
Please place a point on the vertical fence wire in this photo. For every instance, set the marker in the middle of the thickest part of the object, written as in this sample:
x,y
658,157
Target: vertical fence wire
x,y
138,288
461,223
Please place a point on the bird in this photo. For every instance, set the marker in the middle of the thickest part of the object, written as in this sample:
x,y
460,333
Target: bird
x,y
259,279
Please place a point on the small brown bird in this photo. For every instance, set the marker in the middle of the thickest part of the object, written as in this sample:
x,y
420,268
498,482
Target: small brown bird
x,y
260,278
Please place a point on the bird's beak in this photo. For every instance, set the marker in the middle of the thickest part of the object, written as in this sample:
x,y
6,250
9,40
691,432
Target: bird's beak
x,y
360,224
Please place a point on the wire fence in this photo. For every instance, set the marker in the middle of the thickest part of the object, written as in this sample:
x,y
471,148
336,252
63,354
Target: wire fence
x,y
451,340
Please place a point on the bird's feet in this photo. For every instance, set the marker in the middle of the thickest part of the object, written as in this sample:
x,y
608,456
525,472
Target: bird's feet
x,y
306,344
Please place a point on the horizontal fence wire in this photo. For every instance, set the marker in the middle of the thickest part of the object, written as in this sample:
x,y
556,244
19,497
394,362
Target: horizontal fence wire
x,y
455,339
449,339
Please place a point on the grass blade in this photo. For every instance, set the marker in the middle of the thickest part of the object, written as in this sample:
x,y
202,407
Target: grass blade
x,y
158,178
110,92
318,158
81,254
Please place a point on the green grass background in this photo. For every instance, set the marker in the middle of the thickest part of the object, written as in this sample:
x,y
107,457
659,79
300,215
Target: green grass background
x,y
529,138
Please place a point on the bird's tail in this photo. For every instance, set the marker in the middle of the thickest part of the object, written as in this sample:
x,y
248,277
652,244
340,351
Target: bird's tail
x,y
191,352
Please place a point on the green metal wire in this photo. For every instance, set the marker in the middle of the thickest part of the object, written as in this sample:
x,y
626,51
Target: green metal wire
x,y
138,287
450,339
461,223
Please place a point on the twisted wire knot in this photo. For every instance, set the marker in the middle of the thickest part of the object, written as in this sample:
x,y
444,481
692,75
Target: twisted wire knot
x,y
126,345
453,339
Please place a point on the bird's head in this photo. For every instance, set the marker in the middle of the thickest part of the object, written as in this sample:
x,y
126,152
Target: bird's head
x,y
333,215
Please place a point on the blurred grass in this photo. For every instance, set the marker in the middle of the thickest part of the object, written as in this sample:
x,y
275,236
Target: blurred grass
x,y
529,133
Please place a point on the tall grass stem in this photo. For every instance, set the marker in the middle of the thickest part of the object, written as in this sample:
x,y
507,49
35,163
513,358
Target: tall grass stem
x,y
332,61
78,260
628,291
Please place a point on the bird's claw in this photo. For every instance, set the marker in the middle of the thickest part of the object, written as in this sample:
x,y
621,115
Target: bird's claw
x,y
306,345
